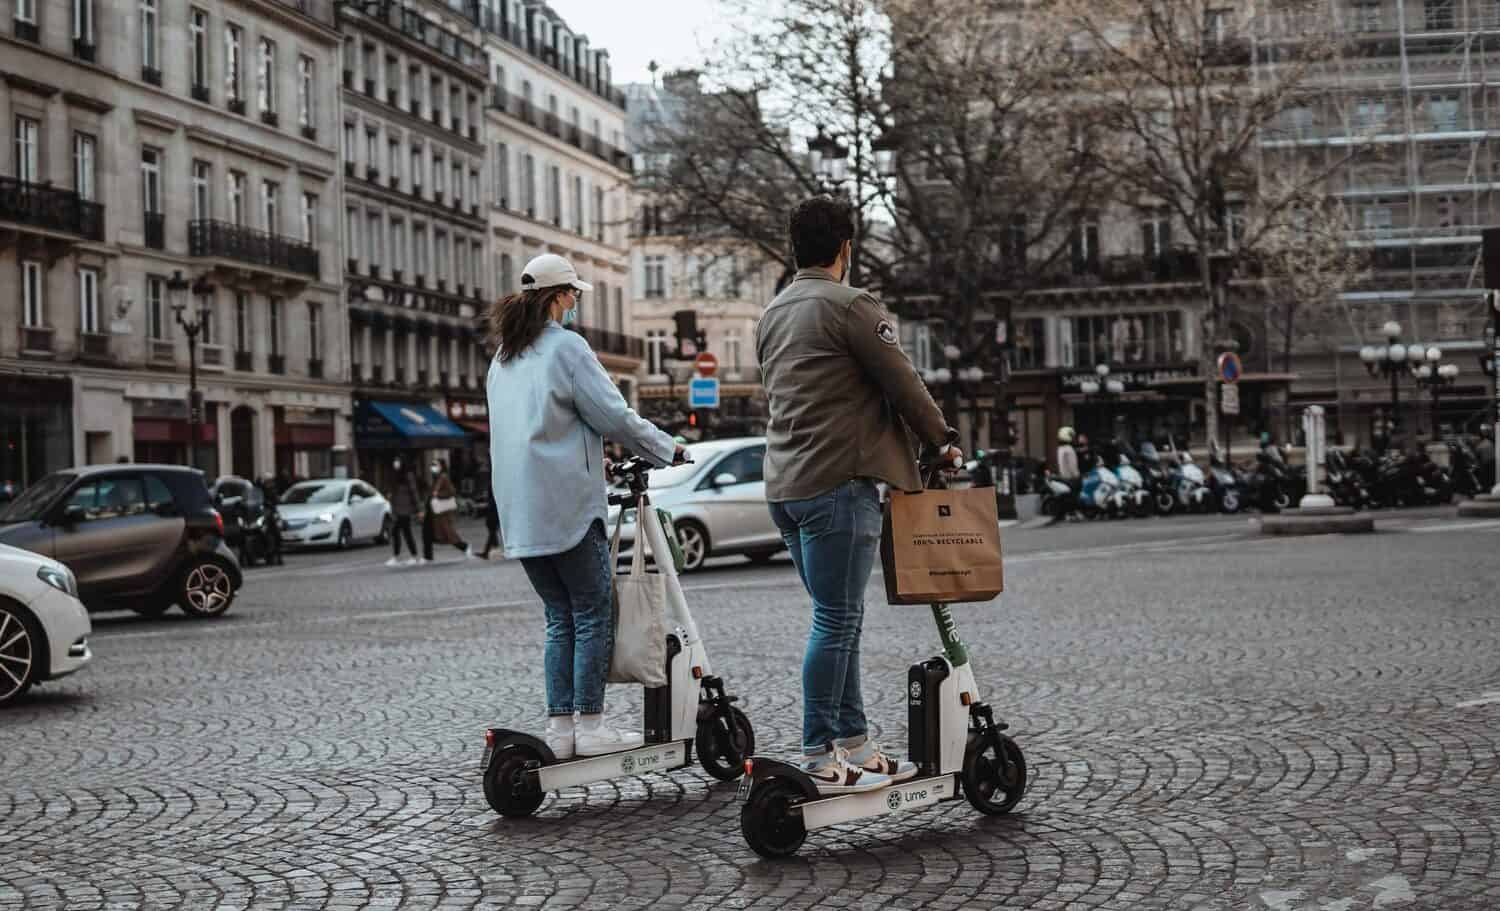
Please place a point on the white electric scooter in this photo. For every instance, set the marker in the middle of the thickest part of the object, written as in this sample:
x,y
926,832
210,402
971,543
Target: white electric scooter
x,y
691,710
953,738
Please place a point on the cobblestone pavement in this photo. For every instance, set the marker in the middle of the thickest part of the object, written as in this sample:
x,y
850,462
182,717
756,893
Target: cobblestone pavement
x,y
1214,720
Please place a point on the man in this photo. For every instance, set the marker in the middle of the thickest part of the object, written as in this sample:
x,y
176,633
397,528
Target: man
x,y
1067,458
842,396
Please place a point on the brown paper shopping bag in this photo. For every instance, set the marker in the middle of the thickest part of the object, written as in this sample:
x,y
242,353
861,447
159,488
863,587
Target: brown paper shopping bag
x,y
941,546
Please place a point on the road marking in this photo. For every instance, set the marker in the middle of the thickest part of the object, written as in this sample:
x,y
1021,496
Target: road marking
x,y
1484,699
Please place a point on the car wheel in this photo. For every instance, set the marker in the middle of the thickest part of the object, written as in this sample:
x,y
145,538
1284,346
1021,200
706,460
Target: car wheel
x,y
20,652
206,589
693,539
386,525
346,536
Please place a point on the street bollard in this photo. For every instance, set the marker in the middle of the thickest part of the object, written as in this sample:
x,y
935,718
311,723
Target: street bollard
x,y
1313,430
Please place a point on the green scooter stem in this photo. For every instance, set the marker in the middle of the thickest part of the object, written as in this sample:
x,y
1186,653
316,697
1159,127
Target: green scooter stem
x,y
953,647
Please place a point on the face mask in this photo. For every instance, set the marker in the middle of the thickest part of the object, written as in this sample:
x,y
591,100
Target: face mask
x,y
396,464
435,471
570,316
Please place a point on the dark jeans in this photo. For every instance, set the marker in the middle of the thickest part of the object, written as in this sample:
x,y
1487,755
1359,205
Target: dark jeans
x,y
402,527
575,589
833,539
427,537
491,540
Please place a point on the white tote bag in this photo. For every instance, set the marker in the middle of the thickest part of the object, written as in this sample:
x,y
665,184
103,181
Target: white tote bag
x,y
640,606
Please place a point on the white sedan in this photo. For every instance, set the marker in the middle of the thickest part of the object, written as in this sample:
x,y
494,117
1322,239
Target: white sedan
x,y
333,511
718,503
44,628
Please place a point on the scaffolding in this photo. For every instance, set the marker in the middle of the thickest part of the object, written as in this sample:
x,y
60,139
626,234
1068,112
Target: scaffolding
x,y
1402,122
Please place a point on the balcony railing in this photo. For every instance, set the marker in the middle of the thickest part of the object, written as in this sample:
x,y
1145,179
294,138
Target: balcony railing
x,y
276,363
211,356
419,29
315,368
84,50
244,361
605,341
27,31
236,242
36,339
163,350
155,229
201,93
151,75
94,346
42,206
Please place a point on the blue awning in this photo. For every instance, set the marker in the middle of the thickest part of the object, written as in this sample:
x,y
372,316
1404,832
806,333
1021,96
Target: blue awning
x,y
404,425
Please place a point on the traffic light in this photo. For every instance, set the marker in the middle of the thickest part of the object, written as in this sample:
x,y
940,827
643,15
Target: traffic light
x,y
693,419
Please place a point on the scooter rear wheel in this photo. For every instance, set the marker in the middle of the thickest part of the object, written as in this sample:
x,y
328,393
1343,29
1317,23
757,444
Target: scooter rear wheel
x,y
994,774
510,790
721,752
770,827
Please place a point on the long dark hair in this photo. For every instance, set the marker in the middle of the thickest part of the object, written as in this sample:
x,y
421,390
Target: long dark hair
x,y
517,320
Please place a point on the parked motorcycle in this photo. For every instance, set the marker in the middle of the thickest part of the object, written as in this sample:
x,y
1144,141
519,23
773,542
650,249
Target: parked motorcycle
x,y
1101,495
1188,483
1156,480
249,519
1463,467
1271,484
1345,484
1223,484
1133,491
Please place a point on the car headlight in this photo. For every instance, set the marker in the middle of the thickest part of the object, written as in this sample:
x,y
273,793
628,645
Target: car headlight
x,y
60,578
325,517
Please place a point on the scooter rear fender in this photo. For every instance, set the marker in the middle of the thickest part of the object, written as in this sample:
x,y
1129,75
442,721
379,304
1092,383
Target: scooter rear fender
x,y
500,738
764,767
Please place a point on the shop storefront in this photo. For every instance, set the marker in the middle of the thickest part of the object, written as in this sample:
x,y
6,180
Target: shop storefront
x,y
468,463
36,427
162,434
416,432
304,442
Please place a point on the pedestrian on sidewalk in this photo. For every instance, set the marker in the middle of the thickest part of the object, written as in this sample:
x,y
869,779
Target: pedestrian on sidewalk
x,y
406,502
551,404
844,401
442,507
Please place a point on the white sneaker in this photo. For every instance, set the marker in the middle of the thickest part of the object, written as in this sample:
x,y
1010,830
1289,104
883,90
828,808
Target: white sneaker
x,y
560,743
409,561
837,775
873,761
604,739
394,561
469,552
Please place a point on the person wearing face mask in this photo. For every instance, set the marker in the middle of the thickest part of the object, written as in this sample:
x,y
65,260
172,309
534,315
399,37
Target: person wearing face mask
x,y
551,404
406,502
439,514
845,402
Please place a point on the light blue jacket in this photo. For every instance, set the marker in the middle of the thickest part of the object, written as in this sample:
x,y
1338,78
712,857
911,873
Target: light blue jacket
x,y
549,411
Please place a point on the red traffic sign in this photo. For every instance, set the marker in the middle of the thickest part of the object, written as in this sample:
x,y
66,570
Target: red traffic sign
x,y
1230,368
707,364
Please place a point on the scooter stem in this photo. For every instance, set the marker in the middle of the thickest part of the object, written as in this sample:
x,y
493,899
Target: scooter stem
x,y
953,647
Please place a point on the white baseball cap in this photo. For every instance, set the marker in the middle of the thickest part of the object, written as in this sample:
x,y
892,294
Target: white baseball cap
x,y
550,270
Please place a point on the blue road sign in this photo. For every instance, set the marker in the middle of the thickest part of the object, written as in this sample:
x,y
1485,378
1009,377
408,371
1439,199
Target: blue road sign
x,y
703,392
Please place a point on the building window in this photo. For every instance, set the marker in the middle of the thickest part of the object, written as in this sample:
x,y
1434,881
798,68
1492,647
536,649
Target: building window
x,y
437,174
656,276
656,348
27,131
619,310
419,250
398,246
351,232
31,293
458,180
198,27
270,206
599,214
473,187
1369,114
1156,233
84,165
307,92
1443,109
149,56
315,331
202,198
476,264
416,169
1085,244
310,218
242,334
502,175
393,157
273,324
1123,338
205,304
373,241
236,198
554,194
440,254
348,143
528,184
151,180
156,308
234,77
732,350
507,275
372,148
1367,17
1029,343
83,19
578,224
1439,15
26,11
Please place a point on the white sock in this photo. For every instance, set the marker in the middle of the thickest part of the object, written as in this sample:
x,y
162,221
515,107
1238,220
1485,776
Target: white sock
x,y
560,724
590,722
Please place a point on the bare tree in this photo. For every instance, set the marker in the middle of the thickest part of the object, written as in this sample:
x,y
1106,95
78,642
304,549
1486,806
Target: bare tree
x,y
1307,264
1189,89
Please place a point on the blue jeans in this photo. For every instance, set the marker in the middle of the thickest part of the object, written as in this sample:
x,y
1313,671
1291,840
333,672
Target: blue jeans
x,y
833,539
575,588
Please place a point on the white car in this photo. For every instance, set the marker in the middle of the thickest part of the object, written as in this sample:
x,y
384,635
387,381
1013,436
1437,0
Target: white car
x,y
718,503
44,628
333,511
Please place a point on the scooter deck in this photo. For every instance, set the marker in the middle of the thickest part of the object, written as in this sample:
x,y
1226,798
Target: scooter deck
x,y
898,798
651,757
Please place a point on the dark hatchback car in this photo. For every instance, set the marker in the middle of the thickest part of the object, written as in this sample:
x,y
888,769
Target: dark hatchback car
x,y
142,537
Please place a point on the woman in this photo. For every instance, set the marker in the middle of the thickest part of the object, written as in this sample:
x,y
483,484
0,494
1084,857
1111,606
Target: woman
x,y
406,502
491,520
442,506
551,403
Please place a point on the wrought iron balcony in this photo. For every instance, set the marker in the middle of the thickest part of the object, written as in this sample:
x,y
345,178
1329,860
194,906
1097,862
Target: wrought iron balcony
x,y
276,363
151,75
51,209
315,368
211,357
84,50
36,339
244,361
94,346
27,31
201,93
246,245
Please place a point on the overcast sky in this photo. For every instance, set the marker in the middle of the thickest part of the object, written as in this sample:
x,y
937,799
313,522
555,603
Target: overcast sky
x,y
635,32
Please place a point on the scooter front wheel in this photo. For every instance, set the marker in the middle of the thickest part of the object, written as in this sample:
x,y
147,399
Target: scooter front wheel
x,y
724,745
770,826
509,786
994,774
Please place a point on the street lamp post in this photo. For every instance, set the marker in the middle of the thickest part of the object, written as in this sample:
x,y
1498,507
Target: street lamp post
x,y
1103,389
177,290
1436,378
1393,360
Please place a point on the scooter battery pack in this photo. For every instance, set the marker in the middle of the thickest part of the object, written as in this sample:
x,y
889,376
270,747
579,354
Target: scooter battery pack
x,y
924,722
